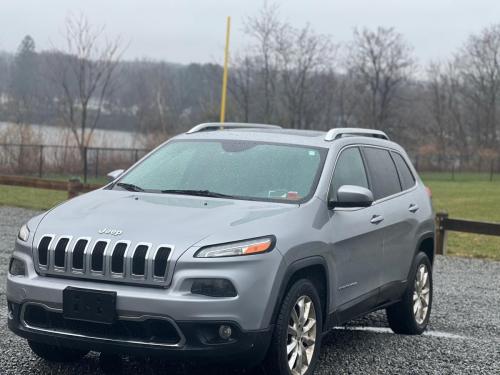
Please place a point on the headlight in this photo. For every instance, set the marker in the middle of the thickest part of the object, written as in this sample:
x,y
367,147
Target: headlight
x,y
248,247
24,233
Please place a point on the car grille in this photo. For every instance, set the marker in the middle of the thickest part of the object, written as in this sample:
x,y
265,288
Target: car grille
x,y
103,259
146,330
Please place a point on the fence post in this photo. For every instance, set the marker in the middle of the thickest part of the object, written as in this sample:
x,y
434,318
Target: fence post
x,y
40,162
441,233
74,187
85,161
97,163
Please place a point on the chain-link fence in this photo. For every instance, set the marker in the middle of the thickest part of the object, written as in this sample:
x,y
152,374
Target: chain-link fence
x,y
89,163
458,168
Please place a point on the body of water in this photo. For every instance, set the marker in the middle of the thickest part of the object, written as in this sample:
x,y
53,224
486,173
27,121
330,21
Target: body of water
x,y
57,135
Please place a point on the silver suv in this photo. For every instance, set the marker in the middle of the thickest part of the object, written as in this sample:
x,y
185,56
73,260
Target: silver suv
x,y
231,241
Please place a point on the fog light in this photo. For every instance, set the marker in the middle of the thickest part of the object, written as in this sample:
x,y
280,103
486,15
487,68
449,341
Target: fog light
x,y
213,288
225,332
16,267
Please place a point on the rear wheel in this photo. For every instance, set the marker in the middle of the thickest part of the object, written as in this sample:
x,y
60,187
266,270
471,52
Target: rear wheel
x,y
297,336
54,353
410,316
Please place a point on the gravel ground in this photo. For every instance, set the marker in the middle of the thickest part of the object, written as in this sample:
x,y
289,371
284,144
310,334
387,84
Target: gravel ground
x,y
463,336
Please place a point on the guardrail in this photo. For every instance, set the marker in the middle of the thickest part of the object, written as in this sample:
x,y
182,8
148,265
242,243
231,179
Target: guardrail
x,y
444,224
73,186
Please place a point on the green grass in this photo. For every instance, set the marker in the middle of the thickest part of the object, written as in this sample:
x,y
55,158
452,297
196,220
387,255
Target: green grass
x,y
101,180
37,199
470,196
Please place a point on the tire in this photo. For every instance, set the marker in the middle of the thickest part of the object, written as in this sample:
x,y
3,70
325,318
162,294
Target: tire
x,y
411,315
54,353
301,293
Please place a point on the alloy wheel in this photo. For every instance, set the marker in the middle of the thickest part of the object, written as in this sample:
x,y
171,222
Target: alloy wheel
x,y
421,294
301,337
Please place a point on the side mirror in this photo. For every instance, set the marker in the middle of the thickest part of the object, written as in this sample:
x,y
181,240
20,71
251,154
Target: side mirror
x,y
115,174
352,196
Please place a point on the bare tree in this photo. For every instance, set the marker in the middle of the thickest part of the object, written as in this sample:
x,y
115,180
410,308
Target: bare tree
x,y
263,29
302,55
438,105
382,62
479,67
83,72
241,85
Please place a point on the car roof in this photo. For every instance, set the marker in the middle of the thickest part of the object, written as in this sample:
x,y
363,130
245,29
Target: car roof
x,y
314,138
292,136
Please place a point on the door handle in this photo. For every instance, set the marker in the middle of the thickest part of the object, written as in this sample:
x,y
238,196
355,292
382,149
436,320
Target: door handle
x,y
413,208
376,219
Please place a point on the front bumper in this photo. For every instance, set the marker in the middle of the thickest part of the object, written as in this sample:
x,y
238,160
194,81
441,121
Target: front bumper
x,y
196,339
256,279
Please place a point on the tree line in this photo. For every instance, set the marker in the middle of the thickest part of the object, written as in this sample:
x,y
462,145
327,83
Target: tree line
x,y
443,112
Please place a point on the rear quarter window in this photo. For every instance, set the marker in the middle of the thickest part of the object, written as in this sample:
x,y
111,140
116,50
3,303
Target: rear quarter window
x,y
407,178
384,179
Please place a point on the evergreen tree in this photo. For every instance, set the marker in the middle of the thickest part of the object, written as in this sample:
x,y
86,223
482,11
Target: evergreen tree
x,y
24,81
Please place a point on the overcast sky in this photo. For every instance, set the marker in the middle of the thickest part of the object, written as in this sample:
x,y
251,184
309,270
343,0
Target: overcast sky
x,y
193,30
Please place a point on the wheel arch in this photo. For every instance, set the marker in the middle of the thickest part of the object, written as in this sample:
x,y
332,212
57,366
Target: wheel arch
x,y
426,244
313,268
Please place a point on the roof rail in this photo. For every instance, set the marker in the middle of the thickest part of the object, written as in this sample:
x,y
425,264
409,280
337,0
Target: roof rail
x,y
341,132
229,125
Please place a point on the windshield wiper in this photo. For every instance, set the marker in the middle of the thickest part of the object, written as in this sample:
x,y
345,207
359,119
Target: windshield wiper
x,y
200,193
129,187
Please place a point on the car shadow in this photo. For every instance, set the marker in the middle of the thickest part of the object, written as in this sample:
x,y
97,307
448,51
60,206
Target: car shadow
x,y
338,343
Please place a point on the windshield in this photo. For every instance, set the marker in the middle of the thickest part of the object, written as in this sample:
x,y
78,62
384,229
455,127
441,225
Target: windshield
x,y
229,168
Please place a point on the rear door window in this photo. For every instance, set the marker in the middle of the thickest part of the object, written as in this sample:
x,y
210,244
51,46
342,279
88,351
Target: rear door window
x,y
383,174
349,170
405,175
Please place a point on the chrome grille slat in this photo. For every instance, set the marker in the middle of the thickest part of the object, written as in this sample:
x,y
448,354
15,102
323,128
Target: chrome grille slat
x,y
42,257
60,252
139,266
97,257
118,258
75,257
160,262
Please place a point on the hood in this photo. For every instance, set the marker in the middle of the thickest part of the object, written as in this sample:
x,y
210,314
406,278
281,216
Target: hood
x,y
179,221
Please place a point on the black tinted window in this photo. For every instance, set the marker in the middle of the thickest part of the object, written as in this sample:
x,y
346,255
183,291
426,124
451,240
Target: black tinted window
x,y
348,171
405,175
383,174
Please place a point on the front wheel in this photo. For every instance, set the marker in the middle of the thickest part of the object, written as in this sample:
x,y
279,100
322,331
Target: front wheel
x,y
297,336
410,316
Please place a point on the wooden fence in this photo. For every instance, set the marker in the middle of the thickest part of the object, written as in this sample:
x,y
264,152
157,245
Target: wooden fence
x,y
444,224
72,186
75,187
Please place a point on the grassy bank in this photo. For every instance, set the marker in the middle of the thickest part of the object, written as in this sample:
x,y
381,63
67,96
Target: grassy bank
x,y
468,198
37,199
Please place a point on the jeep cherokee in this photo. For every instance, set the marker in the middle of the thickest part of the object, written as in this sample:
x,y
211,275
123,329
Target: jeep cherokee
x,y
231,241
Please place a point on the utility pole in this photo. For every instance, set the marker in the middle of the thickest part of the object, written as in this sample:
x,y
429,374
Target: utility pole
x,y
224,77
